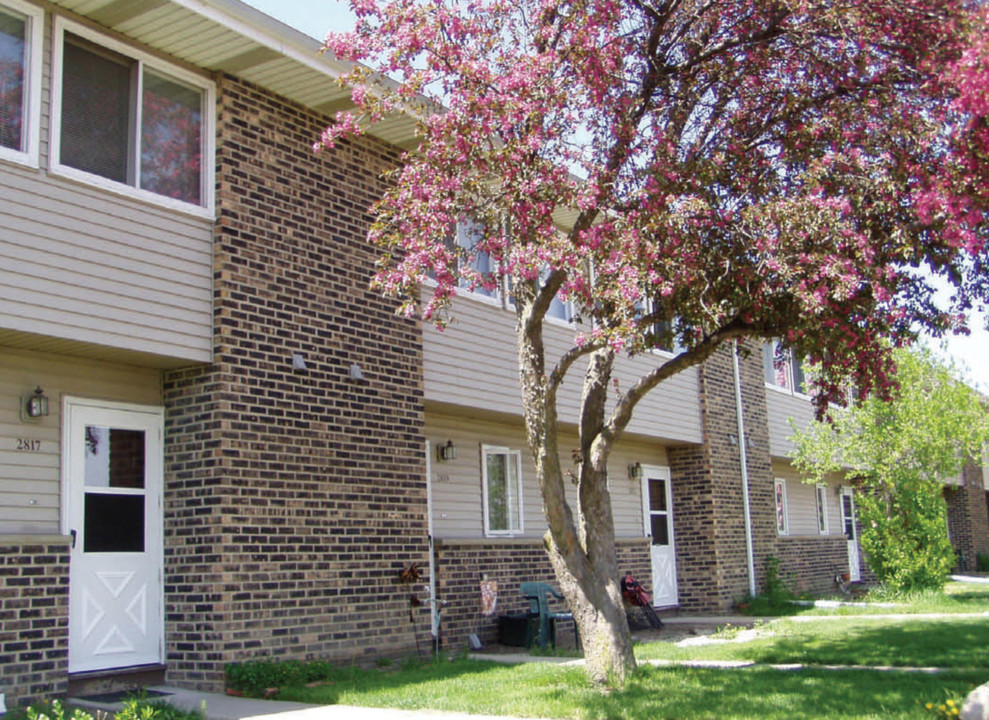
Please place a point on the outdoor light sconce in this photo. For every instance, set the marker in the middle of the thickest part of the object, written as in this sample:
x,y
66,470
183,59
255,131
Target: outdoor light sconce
x,y
635,471
446,452
733,439
37,404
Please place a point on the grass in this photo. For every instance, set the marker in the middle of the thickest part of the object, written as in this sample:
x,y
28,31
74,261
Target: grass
x,y
655,693
686,693
959,643
958,597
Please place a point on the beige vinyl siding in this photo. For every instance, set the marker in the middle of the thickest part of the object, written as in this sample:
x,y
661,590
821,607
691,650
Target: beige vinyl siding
x,y
89,266
473,363
801,502
780,407
30,450
456,484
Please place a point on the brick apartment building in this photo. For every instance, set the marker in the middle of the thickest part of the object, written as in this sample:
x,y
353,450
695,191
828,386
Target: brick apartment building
x,y
217,443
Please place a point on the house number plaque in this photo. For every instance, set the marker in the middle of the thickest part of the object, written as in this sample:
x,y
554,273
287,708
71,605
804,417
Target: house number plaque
x,y
25,445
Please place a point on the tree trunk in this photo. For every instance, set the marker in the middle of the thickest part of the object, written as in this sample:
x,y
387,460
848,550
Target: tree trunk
x,y
582,551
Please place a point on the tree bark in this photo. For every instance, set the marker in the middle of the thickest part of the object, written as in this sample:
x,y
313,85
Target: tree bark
x,y
584,561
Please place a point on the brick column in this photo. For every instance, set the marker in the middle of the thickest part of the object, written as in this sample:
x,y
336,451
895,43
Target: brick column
x,y
293,496
707,489
968,521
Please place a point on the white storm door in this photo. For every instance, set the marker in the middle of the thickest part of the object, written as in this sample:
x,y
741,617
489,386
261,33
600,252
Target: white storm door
x,y
113,485
657,502
848,524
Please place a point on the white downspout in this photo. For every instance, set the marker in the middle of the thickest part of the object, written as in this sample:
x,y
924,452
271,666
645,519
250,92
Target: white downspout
x,y
434,615
743,457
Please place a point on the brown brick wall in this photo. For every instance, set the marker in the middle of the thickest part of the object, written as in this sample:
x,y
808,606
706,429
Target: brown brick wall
x,y
708,501
809,564
461,564
968,521
293,498
34,619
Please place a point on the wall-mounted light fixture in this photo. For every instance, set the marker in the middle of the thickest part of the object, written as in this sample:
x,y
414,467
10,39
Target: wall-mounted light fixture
x,y
635,471
355,372
733,439
298,361
446,452
37,404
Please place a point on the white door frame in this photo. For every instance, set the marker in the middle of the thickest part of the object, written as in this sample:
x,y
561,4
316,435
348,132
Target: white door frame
x,y
854,560
121,568
671,596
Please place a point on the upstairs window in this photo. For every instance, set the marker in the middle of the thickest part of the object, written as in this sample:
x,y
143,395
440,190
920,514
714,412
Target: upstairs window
x,y
130,123
787,374
469,233
20,80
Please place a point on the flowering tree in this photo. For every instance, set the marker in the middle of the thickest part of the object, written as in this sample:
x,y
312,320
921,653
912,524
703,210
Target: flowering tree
x,y
901,452
704,171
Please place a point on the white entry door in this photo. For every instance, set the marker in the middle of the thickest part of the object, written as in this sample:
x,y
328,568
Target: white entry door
x,y
848,523
657,503
112,508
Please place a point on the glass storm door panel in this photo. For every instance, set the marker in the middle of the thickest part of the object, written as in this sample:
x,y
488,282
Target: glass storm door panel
x,y
658,506
848,525
113,506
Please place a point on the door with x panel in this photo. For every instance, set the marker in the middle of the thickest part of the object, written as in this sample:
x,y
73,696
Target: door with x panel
x,y
113,511
657,502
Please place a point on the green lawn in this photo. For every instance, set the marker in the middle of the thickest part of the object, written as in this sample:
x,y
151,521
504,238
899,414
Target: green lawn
x,y
958,597
959,643
552,691
684,693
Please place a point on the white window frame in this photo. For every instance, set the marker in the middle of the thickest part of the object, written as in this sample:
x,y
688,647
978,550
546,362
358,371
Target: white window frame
x,y
498,298
821,504
515,457
208,129
31,108
779,504
791,361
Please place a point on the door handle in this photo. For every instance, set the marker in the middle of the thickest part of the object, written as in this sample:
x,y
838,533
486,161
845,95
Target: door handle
x,y
73,534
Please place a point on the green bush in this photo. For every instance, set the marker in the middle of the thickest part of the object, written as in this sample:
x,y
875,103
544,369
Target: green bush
x,y
982,562
135,708
255,676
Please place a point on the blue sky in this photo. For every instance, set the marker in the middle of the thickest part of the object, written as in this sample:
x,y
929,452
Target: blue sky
x,y
316,17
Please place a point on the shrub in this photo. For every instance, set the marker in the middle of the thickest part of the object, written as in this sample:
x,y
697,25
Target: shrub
x,y
255,676
982,562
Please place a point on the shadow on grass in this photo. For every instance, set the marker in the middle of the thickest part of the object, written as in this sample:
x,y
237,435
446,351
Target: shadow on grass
x,y
685,693
551,691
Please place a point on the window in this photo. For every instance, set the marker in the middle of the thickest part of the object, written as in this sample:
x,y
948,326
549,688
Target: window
x,y
660,335
20,81
501,473
559,309
782,527
821,493
469,233
130,123
785,375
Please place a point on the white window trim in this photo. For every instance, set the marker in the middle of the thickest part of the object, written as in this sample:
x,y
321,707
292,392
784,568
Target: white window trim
x,y
821,505
792,390
517,459
33,49
785,530
208,163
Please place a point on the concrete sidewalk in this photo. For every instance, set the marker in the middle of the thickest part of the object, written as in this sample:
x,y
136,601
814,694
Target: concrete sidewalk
x,y
217,706
224,707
